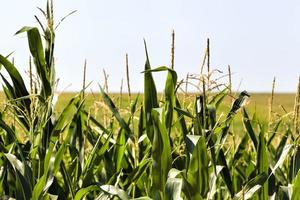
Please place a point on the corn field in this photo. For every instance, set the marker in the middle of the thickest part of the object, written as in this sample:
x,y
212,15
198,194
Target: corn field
x,y
161,149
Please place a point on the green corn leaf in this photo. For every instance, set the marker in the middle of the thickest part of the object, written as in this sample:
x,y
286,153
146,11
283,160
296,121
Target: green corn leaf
x,y
170,97
274,132
161,152
139,171
67,115
120,148
248,126
294,164
240,150
150,96
23,176
199,120
262,164
19,89
59,157
6,58
169,92
95,122
49,49
23,189
114,191
80,194
173,189
15,76
296,187
218,157
41,185
11,134
285,192
251,187
115,112
197,173
133,104
282,144
184,112
283,156
225,172
8,89
141,123
37,52
75,135
67,179
191,142
16,163
182,121
211,112
218,98
97,151
213,182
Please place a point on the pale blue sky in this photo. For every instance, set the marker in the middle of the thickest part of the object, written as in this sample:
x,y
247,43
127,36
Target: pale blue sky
x,y
259,39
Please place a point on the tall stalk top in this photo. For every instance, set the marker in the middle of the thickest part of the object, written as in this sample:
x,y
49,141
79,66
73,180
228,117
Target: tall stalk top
x,y
50,18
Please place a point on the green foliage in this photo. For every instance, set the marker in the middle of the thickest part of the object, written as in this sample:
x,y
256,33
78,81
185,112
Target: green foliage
x,y
156,150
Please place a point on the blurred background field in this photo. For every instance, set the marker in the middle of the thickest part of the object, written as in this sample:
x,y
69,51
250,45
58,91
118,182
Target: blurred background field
x,y
257,103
